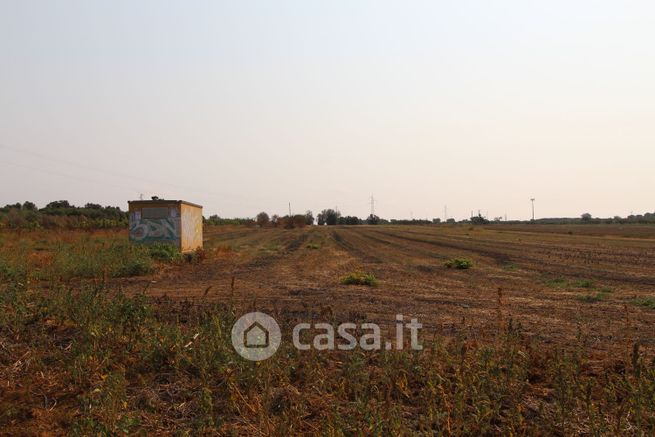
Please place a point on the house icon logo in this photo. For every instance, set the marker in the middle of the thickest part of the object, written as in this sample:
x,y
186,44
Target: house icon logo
x,y
256,336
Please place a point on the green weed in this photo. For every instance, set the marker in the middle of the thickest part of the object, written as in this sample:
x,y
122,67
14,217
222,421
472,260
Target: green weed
x,y
113,259
459,263
592,298
647,302
556,282
359,278
164,252
584,283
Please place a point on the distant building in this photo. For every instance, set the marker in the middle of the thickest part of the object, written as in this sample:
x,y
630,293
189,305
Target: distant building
x,y
175,222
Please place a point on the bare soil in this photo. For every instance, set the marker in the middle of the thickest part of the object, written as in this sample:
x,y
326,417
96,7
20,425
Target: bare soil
x,y
541,277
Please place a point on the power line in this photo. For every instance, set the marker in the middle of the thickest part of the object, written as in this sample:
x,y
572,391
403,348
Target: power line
x,y
191,191
83,179
122,175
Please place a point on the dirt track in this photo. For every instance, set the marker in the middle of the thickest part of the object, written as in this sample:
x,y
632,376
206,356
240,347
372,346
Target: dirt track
x,y
543,276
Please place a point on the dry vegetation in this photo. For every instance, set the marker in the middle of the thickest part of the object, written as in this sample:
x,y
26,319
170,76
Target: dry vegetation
x,y
549,331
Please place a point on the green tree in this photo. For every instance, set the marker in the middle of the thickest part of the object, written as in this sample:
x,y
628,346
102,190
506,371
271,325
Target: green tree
x,y
309,218
479,220
58,204
328,217
263,219
373,220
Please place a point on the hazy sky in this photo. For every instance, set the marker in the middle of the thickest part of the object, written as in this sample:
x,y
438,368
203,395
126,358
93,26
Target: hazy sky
x,y
245,106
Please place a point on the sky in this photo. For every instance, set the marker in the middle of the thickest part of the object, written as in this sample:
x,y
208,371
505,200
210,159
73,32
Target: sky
x,y
247,106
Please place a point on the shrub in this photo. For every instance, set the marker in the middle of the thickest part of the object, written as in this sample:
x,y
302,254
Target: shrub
x,y
459,263
263,219
359,278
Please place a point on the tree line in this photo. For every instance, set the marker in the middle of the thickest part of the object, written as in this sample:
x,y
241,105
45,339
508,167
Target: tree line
x,y
61,214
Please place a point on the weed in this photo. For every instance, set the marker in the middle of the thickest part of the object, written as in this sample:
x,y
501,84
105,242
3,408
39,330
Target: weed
x,y
89,260
584,283
164,252
556,282
106,363
131,358
133,267
195,257
459,263
359,278
270,248
13,267
647,302
313,246
592,298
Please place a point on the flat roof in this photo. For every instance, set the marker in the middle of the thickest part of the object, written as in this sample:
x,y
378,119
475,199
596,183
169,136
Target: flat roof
x,y
161,202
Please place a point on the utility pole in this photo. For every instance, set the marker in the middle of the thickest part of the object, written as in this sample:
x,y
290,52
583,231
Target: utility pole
x,y
372,205
532,200
289,209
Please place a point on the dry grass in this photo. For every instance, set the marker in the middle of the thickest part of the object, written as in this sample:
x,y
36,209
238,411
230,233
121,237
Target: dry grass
x,y
86,353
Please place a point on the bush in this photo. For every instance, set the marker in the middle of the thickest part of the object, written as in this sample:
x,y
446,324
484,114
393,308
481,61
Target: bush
x,y
459,263
263,219
359,278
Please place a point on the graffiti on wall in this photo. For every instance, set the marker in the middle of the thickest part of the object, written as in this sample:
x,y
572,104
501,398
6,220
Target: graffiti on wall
x,y
147,230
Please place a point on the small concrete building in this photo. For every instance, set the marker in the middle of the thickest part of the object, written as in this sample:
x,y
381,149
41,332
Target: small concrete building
x,y
173,222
